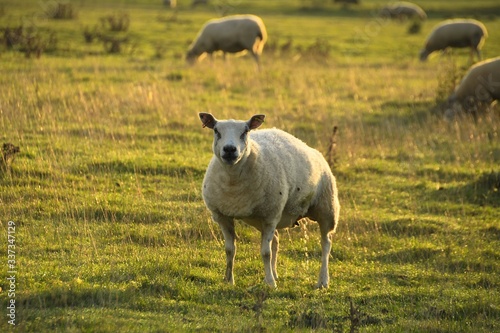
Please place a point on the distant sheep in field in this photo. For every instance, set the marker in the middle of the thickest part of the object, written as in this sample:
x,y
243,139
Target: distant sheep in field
x,y
230,34
457,33
270,180
479,88
403,10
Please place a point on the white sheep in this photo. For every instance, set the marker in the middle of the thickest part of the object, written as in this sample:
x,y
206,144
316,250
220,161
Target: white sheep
x,y
269,179
458,33
231,34
480,86
403,10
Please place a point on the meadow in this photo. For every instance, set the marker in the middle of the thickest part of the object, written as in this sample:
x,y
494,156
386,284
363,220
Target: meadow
x,y
111,233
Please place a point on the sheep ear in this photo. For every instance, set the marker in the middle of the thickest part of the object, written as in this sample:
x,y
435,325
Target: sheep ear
x,y
207,119
256,121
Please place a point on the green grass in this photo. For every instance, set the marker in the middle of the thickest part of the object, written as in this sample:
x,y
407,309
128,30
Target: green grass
x,y
111,230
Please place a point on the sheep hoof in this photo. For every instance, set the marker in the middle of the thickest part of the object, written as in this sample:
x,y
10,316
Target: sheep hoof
x,y
229,280
322,285
271,284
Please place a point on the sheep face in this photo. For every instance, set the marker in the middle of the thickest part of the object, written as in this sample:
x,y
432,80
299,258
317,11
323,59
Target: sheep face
x,y
191,57
424,54
230,136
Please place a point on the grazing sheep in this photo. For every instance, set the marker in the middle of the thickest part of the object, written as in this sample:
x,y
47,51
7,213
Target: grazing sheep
x,y
479,87
270,180
9,152
230,34
458,33
403,10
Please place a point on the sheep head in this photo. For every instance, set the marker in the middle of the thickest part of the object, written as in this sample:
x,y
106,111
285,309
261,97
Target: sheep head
x,y
191,57
423,54
230,136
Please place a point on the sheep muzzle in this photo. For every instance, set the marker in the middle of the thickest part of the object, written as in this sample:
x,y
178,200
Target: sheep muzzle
x,y
230,154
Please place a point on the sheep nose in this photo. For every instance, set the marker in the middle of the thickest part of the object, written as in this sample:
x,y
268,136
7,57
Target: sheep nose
x,y
229,149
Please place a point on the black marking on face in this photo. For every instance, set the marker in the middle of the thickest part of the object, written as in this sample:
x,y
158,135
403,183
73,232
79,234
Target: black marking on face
x,y
217,133
245,133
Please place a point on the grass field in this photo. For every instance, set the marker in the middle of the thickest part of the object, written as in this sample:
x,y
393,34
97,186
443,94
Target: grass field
x,y
111,233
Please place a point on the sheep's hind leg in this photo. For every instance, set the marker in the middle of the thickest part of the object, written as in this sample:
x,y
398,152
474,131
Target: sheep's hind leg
x,y
326,246
327,224
268,234
227,227
274,256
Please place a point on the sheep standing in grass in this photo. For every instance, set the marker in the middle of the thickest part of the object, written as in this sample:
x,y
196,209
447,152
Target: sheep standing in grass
x,y
458,33
231,34
479,87
270,180
403,10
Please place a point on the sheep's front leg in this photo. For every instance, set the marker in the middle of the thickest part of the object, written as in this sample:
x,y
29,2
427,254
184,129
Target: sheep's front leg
x,y
268,234
227,227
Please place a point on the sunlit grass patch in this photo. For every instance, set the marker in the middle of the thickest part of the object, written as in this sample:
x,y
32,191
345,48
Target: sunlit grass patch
x,y
111,230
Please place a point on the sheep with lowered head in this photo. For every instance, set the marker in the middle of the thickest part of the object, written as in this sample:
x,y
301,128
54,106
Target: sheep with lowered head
x,y
231,34
269,179
458,33
479,87
403,10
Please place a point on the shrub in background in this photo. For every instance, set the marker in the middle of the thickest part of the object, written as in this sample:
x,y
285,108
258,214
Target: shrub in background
x,y
62,11
115,22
